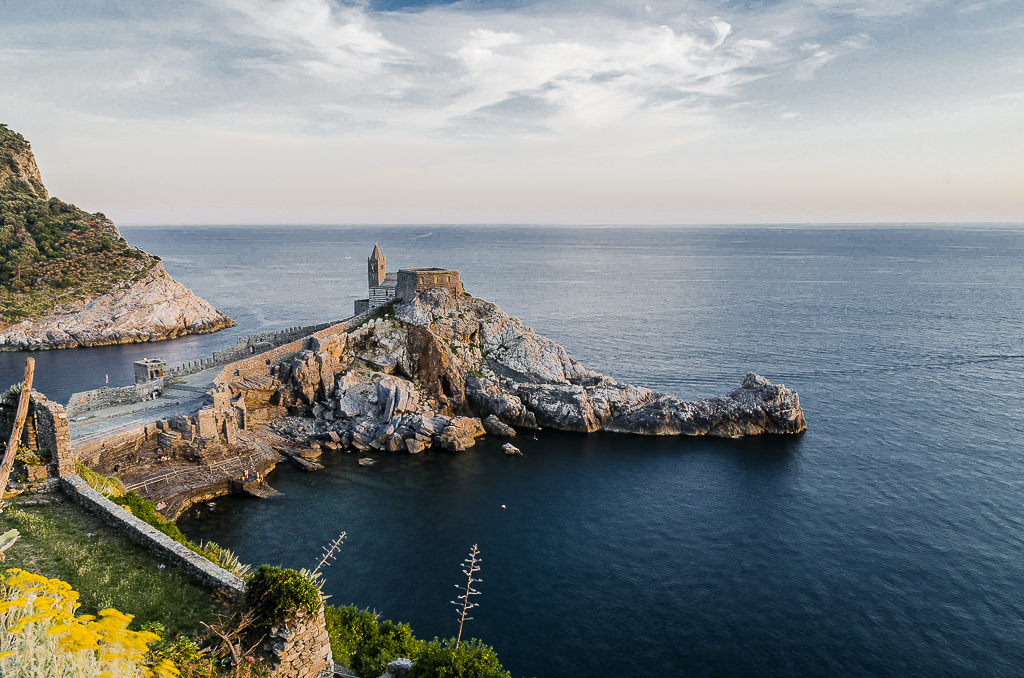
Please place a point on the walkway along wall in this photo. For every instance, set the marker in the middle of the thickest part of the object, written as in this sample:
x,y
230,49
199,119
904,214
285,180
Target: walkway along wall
x,y
245,347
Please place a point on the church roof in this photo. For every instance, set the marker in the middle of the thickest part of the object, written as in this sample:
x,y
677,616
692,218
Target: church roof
x,y
376,253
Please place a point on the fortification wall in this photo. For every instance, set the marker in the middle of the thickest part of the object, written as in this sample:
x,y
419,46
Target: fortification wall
x,y
245,347
261,364
412,281
253,344
99,398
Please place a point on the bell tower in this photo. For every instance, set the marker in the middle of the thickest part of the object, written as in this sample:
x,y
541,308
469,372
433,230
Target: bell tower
x,y
375,267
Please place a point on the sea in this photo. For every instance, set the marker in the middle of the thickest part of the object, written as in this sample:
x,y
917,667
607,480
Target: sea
x,y
887,540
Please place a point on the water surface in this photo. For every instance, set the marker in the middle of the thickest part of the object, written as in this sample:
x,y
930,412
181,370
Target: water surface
x,y
886,541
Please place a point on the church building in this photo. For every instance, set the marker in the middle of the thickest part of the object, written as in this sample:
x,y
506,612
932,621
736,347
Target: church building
x,y
406,284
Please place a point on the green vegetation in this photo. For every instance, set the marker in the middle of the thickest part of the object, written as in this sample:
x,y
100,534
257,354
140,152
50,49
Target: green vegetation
x,y
109,487
146,512
60,540
51,252
366,645
271,592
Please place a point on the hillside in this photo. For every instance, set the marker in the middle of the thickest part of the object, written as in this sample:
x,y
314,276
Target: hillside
x,y
57,261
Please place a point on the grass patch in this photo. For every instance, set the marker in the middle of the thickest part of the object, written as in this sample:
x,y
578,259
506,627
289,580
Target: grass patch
x,y
107,569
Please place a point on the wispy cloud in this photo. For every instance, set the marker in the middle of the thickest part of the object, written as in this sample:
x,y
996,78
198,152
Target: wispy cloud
x,y
819,56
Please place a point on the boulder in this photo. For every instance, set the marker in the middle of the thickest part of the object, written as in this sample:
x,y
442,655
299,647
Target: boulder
x,y
496,427
486,397
414,445
461,434
511,449
396,396
400,668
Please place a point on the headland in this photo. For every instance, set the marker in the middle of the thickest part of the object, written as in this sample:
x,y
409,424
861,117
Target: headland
x,y
423,365
68,278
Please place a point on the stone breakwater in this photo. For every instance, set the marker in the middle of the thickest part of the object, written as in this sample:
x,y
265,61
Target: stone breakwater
x,y
156,307
441,371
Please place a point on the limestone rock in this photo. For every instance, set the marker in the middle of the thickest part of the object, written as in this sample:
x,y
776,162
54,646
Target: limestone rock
x,y
400,668
396,396
488,399
511,449
496,427
461,434
154,308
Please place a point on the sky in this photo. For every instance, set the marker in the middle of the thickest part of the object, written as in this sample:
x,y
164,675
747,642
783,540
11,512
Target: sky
x,y
522,111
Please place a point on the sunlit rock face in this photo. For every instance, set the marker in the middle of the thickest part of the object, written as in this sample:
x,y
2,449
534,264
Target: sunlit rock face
x,y
443,370
156,307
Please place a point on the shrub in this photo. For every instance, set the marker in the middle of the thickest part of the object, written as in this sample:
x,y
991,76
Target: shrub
x,y
110,487
146,512
273,592
449,659
365,646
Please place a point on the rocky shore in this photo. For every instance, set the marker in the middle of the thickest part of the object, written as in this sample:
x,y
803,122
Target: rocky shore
x,y
154,308
68,278
441,371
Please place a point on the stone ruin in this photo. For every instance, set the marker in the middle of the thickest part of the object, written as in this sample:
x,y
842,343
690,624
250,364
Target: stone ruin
x,y
45,434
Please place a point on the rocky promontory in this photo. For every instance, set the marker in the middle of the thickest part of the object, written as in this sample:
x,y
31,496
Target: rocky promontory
x,y
153,308
68,278
443,370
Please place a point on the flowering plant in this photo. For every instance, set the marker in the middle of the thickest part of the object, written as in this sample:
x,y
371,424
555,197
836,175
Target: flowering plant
x,y
40,636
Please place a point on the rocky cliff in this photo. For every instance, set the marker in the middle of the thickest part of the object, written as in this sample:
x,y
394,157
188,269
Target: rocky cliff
x,y
153,308
68,278
442,371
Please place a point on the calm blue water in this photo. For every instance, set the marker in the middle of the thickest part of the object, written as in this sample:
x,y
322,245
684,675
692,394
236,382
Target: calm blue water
x,y
886,541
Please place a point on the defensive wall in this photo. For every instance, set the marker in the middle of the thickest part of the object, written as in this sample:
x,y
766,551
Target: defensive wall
x,y
260,365
254,344
99,398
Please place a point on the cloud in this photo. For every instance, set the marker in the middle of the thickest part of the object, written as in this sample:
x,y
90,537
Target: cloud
x,y
874,9
820,56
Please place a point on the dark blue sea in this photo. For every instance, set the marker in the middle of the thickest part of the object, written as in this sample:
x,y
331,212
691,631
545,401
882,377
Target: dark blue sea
x,y
888,540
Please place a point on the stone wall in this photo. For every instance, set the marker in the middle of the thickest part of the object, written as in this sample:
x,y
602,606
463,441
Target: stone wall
x,y
102,450
99,398
300,647
260,365
52,433
412,281
247,346
157,542
46,428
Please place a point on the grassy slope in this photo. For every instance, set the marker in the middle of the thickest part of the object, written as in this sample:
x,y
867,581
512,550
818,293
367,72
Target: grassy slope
x,y
106,569
51,252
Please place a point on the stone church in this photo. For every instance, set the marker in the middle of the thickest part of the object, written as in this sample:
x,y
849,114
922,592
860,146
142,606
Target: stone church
x,y
405,284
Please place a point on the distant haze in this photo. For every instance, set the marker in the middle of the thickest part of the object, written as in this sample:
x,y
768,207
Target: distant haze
x,y
520,111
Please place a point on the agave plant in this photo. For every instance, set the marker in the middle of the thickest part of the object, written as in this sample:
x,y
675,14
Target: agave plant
x,y
7,540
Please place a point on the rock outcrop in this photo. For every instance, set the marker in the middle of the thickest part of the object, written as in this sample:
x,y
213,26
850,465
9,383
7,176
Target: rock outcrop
x,y
156,307
440,371
68,278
